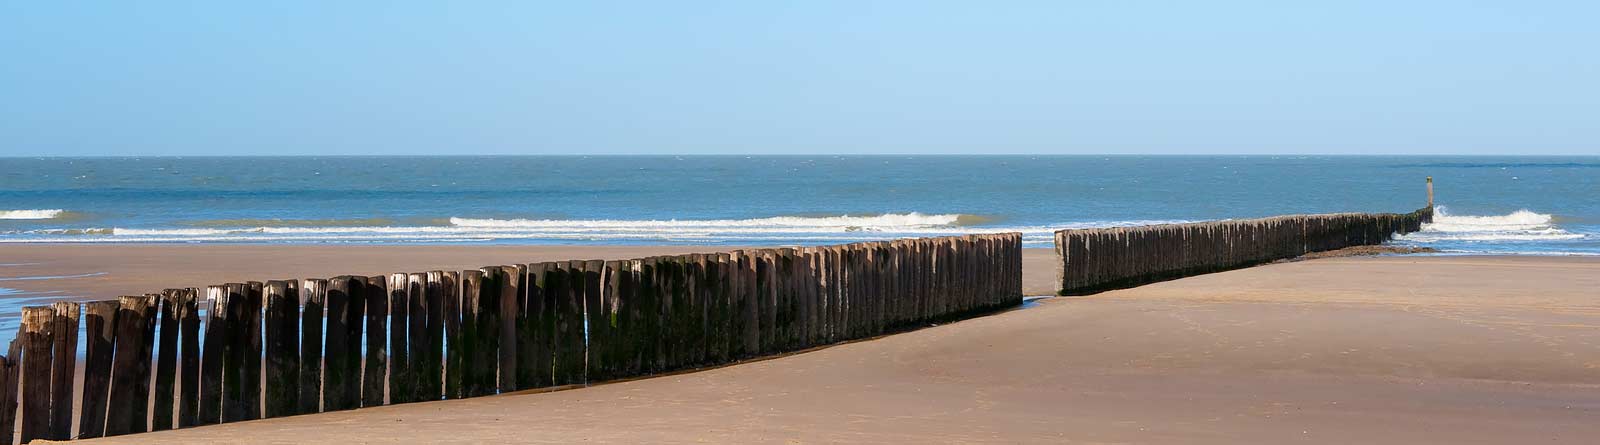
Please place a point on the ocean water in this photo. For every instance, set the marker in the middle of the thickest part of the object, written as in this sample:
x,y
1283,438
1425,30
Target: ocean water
x,y
1510,205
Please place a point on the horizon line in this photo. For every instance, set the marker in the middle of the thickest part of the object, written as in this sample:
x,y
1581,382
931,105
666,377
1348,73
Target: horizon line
x,y
729,155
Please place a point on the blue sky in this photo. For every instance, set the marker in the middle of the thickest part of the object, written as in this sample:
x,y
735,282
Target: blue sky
x,y
288,77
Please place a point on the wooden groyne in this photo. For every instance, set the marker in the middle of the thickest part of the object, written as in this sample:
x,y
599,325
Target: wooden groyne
x,y
1094,260
243,351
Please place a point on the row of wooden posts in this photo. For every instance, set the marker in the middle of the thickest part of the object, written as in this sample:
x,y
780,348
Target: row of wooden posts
x,y
288,347
1093,260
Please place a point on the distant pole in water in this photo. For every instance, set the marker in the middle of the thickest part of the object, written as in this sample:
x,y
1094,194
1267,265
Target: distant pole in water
x,y
1430,192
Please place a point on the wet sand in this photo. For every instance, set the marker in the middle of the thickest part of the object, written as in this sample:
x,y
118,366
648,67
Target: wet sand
x,y
133,269
1341,350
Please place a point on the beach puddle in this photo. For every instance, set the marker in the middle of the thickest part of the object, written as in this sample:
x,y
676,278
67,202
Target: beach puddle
x,y
1033,302
52,277
12,300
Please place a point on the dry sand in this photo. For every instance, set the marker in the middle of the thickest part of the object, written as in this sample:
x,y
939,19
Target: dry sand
x,y
1342,350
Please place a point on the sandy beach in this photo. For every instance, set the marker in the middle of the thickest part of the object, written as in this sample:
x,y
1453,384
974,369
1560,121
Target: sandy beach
x,y
107,271
1375,349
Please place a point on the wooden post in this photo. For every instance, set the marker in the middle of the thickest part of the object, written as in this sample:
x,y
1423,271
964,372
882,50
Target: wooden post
x,y
455,288
214,352
355,318
530,339
100,320
472,332
417,341
1430,192
8,398
166,360
649,316
38,334
511,287
485,358
717,334
282,348
665,282
599,325
749,306
593,308
440,286
471,305
250,395
335,375
189,360
400,385
9,388
63,371
375,377
567,288
233,353
627,304
606,363
315,293
130,373
677,311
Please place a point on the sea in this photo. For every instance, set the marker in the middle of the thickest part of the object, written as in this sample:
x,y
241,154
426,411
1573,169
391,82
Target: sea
x,y
1486,205
1515,205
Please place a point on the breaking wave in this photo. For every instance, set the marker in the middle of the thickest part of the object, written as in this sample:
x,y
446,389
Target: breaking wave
x,y
754,231
1521,225
32,214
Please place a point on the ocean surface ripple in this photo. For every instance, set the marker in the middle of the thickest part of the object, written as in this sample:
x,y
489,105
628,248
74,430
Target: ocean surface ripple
x,y
1531,205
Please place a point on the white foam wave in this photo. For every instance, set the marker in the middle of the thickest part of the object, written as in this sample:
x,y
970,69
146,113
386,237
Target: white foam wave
x,y
1521,225
912,219
755,231
31,214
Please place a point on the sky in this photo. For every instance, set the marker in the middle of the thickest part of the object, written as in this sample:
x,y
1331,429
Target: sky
x,y
805,77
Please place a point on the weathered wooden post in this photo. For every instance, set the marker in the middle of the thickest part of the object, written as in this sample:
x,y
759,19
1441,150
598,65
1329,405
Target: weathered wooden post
x,y
540,338
336,375
722,302
566,280
214,352
455,288
315,292
8,403
511,289
486,352
748,309
355,320
37,335
65,351
472,362
8,397
488,348
441,287
399,372
694,342
418,341
594,310
1430,192
646,313
633,302
527,321
100,320
189,360
604,361
282,349
250,398
375,376
130,374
